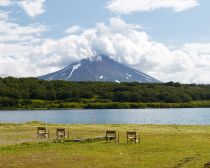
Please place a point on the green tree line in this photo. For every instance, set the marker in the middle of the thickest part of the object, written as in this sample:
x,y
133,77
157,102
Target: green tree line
x,y
23,91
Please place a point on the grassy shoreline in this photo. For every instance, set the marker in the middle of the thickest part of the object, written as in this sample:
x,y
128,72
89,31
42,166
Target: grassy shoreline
x,y
162,146
45,105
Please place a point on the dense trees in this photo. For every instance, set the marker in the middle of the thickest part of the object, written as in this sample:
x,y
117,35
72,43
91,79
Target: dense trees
x,y
22,91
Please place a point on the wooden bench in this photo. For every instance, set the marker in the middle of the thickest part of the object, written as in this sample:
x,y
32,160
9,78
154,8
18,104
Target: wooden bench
x,y
61,133
112,136
132,137
42,132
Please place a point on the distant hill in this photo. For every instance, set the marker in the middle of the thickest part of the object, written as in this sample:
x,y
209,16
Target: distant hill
x,y
100,68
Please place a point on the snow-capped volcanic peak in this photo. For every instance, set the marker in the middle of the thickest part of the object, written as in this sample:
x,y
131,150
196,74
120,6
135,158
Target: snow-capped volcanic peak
x,y
99,68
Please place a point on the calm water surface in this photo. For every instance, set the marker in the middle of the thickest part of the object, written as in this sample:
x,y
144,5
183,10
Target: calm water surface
x,y
197,116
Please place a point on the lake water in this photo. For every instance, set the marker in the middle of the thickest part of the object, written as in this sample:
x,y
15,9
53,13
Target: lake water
x,y
196,116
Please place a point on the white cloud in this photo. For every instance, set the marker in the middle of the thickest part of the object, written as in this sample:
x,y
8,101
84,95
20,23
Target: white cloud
x,y
33,7
17,45
129,6
4,16
12,33
34,55
73,29
125,43
5,2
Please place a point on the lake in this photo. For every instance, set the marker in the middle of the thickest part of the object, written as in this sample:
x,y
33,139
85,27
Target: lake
x,y
188,116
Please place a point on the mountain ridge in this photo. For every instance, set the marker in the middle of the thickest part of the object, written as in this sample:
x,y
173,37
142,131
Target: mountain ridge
x,y
99,68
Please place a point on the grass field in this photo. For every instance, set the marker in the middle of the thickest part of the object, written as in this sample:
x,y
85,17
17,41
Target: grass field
x,y
161,146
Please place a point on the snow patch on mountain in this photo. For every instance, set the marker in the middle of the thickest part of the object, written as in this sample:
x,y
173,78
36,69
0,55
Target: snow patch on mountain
x,y
59,73
75,67
128,75
101,77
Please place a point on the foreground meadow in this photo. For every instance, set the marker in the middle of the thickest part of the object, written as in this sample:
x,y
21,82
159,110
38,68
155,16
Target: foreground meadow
x,y
161,146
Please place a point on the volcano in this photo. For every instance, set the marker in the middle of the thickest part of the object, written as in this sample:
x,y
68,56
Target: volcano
x,y
99,68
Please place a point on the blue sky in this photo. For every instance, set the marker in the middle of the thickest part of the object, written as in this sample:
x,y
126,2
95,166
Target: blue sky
x,y
162,25
175,32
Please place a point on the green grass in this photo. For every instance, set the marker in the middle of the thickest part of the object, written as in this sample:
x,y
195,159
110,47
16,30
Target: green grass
x,y
162,146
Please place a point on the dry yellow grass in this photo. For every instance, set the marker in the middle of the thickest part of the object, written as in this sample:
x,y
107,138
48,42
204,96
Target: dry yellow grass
x,y
162,146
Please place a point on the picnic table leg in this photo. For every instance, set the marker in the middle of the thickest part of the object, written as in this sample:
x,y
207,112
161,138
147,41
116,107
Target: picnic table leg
x,y
37,134
67,134
127,137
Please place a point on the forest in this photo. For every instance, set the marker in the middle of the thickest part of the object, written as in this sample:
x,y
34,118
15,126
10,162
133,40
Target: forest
x,y
32,93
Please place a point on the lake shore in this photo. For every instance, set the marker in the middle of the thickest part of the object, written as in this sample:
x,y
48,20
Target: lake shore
x,y
161,146
53,105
